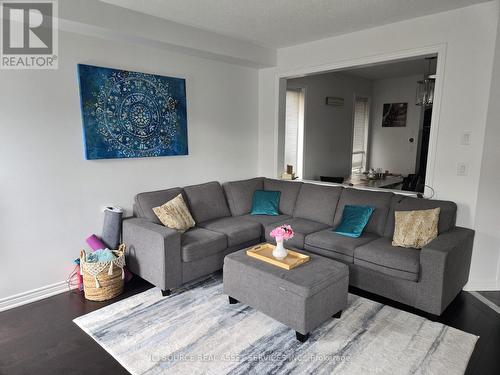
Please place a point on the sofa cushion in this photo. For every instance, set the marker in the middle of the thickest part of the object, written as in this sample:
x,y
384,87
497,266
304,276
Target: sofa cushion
x,y
240,194
237,229
415,229
145,202
317,203
381,256
266,202
175,214
207,201
354,220
447,214
266,219
199,243
379,201
289,192
336,246
301,227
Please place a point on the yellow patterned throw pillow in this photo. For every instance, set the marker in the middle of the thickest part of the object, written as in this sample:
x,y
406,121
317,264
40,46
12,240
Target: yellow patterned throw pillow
x,y
175,214
415,228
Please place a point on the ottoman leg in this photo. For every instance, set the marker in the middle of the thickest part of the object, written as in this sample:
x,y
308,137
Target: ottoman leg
x,y
301,337
165,292
337,315
232,300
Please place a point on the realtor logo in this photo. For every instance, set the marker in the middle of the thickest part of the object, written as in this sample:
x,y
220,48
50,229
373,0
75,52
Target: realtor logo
x,y
29,34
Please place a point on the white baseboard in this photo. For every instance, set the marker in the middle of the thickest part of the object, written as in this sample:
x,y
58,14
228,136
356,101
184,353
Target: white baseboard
x,y
33,295
486,301
482,285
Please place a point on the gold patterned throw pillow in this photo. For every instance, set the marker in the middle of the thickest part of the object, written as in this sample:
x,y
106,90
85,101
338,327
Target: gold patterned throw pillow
x,y
175,214
415,228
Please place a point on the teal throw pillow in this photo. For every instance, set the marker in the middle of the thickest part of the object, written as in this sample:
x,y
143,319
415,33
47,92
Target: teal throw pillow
x,y
354,220
266,202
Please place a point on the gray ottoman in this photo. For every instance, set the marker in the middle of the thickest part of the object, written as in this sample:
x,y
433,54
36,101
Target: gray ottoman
x,y
302,298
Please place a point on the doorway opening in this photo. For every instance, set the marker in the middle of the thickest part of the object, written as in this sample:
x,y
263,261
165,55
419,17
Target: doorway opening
x,y
368,126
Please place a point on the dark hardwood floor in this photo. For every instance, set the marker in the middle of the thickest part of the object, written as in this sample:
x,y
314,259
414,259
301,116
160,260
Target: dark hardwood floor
x,y
492,296
40,338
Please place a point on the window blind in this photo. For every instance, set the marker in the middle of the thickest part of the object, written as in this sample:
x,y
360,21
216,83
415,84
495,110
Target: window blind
x,y
360,133
360,121
292,125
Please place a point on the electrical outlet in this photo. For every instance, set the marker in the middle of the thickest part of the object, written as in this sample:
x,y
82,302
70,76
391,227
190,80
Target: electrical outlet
x,y
466,138
462,169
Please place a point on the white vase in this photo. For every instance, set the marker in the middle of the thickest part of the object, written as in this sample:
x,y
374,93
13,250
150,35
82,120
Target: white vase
x,y
279,251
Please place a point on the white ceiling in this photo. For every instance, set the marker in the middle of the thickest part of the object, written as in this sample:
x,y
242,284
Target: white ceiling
x,y
280,23
394,69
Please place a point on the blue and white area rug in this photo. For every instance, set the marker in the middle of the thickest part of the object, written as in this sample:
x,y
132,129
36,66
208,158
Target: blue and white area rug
x,y
196,331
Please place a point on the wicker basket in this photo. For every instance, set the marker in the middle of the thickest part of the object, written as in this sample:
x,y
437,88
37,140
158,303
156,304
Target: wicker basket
x,y
104,280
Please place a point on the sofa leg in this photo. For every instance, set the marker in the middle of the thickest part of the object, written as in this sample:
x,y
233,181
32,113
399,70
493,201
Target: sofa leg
x,y
337,315
232,300
301,337
166,292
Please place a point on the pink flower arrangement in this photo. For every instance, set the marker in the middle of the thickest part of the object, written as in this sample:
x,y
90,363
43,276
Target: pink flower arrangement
x,y
283,232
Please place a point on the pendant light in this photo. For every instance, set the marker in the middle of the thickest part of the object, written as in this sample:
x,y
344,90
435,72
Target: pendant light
x,y
425,87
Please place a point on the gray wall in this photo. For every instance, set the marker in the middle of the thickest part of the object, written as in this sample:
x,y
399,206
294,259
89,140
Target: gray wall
x,y
486,255
328,129
389,148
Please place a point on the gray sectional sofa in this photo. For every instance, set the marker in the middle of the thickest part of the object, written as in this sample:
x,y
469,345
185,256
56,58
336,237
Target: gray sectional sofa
x,y
428,279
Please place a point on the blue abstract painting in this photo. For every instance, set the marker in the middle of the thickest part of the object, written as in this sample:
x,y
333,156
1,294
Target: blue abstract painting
x,y
131,114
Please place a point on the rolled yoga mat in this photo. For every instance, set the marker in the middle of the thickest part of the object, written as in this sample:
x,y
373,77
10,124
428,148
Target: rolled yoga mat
x,y
95,243
112,227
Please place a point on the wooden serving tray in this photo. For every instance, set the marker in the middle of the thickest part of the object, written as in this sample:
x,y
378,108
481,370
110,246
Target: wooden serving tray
x,y
264,252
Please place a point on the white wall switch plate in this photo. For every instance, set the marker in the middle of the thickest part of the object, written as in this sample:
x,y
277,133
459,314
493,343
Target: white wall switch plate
x,y
462,169
466,138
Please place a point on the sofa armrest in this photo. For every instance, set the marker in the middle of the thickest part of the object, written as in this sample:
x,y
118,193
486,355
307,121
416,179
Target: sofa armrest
x,y
153,252
444,268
